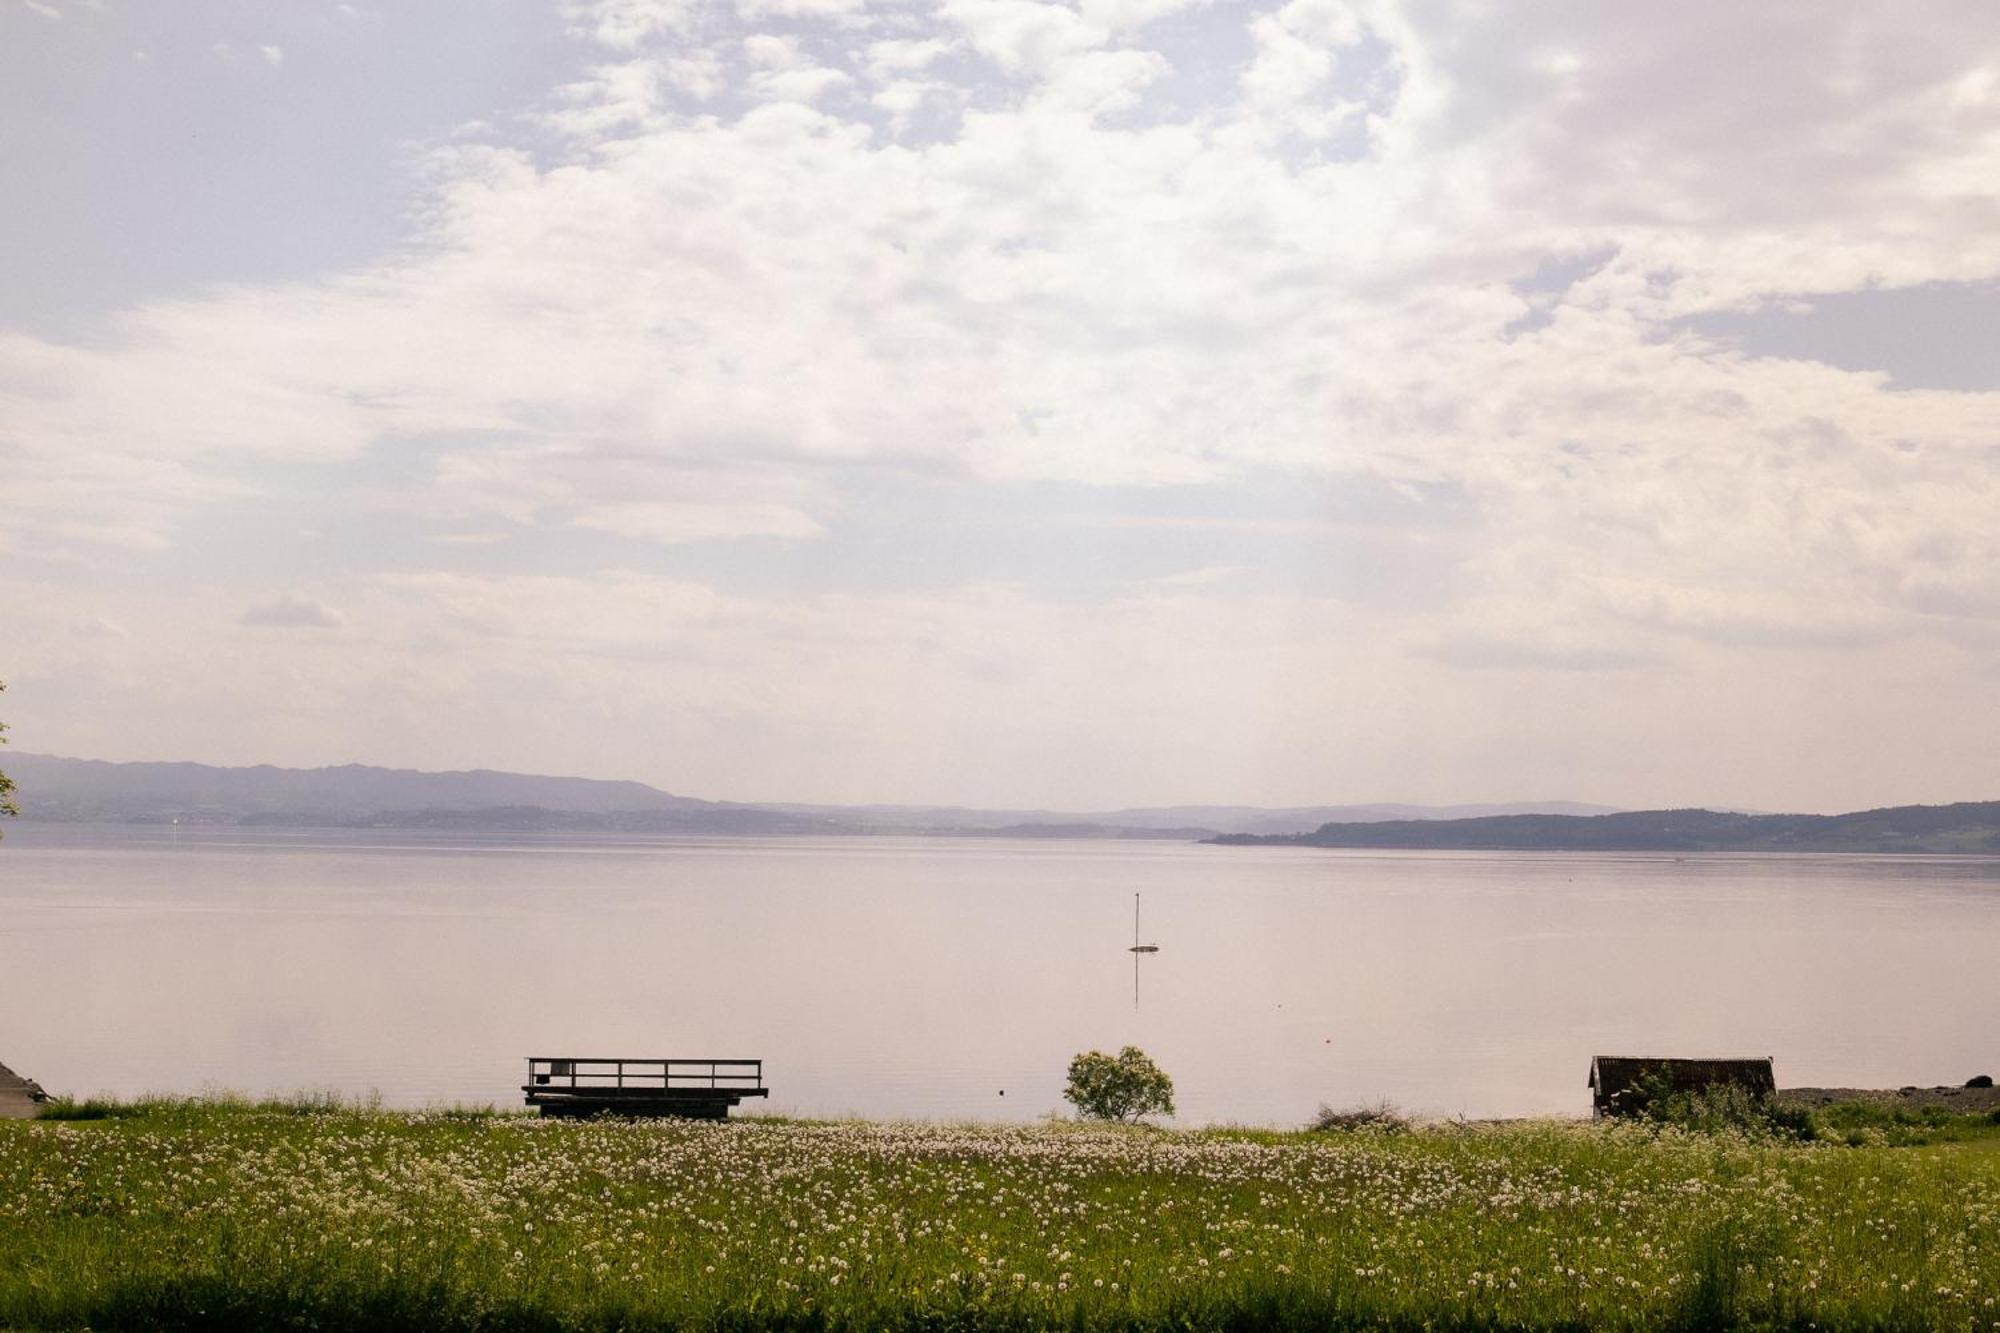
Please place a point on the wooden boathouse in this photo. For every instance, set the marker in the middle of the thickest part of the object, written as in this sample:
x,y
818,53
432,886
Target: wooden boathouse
x,y
574,1085
1620,1083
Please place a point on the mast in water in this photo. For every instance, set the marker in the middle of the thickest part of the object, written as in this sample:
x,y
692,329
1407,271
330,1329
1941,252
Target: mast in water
x,y
1137,949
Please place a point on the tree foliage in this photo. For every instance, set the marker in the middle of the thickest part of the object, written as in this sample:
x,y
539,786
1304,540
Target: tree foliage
x,y
7,806
1719,1108
1124,1087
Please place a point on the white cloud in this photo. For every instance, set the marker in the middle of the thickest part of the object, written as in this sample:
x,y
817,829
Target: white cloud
x,y
274,56
610,610
902,99
645,496
806,84
625,25
1160,303
772,52
850,696
1288,67
687,521
1024,36
756,10
1102,82
694,323
894,57
615,97
288,611
1123,15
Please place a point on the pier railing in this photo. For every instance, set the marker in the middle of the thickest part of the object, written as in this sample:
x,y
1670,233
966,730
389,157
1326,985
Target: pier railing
x,y
607,1073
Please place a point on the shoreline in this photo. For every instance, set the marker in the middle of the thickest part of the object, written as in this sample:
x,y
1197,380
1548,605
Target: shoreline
x,y
20,1098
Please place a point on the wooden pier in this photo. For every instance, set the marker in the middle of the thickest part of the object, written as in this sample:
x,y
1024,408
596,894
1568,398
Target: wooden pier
x,y
571,1085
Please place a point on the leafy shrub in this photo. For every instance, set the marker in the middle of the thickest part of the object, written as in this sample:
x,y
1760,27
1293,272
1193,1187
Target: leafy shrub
x,y
1721,1108
1980,1081
1124,1087
321,1102
1875,1124
1382,1117
92,1108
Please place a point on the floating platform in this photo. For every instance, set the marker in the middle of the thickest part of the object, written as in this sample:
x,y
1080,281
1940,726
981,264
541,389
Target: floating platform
x,y
570,1085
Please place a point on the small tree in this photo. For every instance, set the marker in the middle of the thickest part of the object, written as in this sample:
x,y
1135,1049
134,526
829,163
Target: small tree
x,y
7,806
1123,1087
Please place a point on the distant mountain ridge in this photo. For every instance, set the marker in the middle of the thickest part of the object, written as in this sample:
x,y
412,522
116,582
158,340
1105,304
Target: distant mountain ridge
x,y
357,795
93,790
1173,820
1969,827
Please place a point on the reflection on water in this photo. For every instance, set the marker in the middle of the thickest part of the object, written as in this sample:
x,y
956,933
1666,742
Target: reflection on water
x,y
924,977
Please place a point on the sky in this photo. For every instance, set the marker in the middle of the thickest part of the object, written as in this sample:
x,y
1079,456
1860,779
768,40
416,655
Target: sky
x,y
1011,403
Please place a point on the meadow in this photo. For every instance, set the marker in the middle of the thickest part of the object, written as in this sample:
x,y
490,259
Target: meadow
x,y
312,1215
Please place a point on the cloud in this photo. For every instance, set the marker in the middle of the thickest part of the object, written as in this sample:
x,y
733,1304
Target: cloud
x,y
1480,654
1024,36
1047,293
274,56
783,73
631,493
626,25
665,521
764,255
757,10
903,99
767,51
893,57
1101,82
609,610
288,611
1123,15
845,695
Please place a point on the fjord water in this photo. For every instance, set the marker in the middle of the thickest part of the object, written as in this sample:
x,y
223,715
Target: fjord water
x,y
953,978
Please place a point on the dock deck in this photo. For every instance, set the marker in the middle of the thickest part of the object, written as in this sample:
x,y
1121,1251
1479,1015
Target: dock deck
x,y
703,1089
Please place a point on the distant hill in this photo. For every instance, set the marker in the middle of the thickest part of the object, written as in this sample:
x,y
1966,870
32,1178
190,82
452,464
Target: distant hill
x,y
89,790
1969,827
356,795
1166,821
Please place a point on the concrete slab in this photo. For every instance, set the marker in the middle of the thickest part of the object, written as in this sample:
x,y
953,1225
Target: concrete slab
x,y
20,1098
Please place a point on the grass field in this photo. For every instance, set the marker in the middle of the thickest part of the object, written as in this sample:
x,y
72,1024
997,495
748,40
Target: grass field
x,y
207,1215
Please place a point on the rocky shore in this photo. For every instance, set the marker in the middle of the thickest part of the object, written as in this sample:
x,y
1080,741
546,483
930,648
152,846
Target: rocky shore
x,y
20,1097
1965,1100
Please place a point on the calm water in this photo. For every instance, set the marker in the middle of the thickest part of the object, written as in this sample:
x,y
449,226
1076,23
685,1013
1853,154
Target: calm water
x,y
922,977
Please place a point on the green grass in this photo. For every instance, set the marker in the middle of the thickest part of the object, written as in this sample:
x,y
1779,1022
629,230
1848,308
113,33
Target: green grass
x,y
317,1215
1873,1124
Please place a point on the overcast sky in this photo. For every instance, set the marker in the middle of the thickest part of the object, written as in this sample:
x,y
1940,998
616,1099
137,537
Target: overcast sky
x,y
996,401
